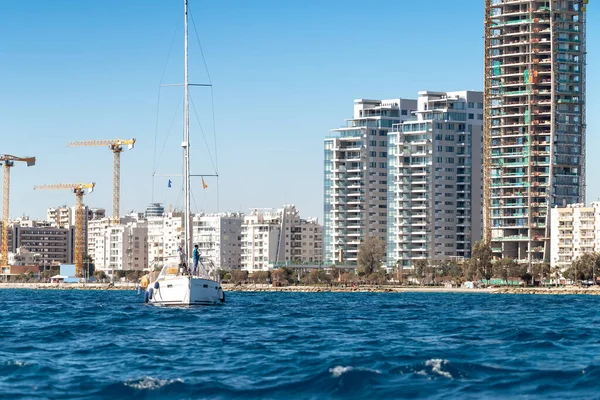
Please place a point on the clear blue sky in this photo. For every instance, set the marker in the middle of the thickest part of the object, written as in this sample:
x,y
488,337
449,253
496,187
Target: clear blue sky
x,y
284,73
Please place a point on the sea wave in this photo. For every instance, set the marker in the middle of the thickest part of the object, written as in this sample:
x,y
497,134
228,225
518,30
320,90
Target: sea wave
x,y
84,344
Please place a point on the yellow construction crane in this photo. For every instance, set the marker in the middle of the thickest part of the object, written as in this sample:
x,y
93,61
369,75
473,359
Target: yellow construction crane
x,y
79,190
9,161
116,146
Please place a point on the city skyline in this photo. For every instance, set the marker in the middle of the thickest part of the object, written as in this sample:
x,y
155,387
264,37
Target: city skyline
x,y
282,80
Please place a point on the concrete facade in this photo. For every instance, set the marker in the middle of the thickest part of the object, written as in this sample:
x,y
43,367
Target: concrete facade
x,y
279,236
218,237
122,247
355,177
575,231
535,116
434,179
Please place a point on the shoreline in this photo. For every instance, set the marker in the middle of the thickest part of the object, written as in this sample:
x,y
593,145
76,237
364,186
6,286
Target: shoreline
x,y
228,287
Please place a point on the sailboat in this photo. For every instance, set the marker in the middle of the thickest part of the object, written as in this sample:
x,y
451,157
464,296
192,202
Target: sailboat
x,y
176,285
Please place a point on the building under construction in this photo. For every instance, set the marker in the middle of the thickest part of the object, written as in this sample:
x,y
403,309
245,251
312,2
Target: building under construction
x,y
534,135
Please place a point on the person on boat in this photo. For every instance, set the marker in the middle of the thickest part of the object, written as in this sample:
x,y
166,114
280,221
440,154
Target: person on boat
x,y
195,258
181,255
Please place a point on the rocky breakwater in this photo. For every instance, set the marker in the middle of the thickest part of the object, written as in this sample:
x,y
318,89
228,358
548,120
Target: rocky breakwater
x,y
568,290
305,289
70,286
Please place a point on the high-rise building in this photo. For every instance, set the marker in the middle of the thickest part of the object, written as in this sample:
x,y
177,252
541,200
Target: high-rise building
x,y
534,120
355,184
434,179
218,237
278,237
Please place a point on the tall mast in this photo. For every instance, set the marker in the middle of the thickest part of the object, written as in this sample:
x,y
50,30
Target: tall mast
x,y
186,133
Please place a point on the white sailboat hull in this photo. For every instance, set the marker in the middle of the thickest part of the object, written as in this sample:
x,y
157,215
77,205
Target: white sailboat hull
x,y
186,291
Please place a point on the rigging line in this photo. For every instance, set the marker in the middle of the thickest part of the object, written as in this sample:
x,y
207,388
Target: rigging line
x,y
203,135
194,199
218,194
155,140
169,132
212,100
198,39
162,75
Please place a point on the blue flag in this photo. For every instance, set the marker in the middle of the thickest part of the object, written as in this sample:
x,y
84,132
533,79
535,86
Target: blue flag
x,y
169,184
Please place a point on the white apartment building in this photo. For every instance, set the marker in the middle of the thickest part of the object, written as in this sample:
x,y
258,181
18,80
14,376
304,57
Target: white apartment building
x,y
65,216
355,184
575,230
434,179
165,235
218,237
121,247
279,236
24,257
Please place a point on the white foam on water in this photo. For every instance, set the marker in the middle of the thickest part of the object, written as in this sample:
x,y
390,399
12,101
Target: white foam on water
x,y
17,363
339,370
436,366
150,383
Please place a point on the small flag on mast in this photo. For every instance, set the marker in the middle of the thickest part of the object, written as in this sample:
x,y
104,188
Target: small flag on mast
x,y
204,185
169,183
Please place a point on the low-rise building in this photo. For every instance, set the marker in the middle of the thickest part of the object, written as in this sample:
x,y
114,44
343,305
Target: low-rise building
x,y
165,235
575,230
280,236
218,237
121,247
53,244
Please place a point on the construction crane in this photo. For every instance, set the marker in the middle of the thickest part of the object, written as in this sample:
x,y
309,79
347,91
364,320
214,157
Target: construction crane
x,y
9,161
79,189
116,146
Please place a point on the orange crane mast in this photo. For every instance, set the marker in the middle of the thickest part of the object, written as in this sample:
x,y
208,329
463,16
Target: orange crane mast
x,y
116,146
79,189
9,162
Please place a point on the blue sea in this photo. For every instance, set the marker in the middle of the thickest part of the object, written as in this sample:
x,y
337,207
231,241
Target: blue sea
x,y
108,344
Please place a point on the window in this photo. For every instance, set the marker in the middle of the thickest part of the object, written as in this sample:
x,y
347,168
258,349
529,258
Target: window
x,y
480,105
440,148
450,149
480,117
404,112
471,104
